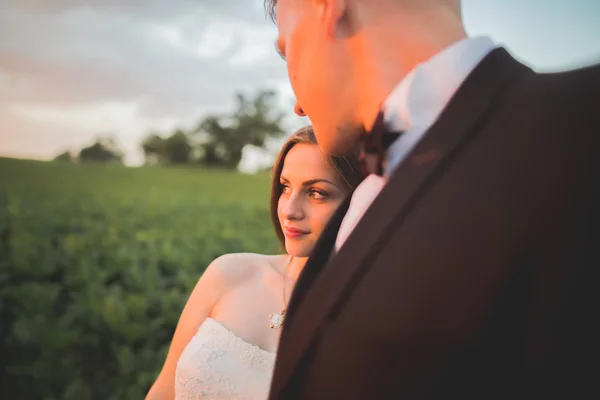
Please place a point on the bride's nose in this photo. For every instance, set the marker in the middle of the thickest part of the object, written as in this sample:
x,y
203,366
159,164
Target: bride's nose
x,y
293,208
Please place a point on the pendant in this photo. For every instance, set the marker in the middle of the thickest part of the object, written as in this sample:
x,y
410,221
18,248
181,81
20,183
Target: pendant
x,y
276,319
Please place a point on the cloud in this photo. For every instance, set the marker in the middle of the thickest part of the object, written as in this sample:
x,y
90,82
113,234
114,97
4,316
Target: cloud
x,y
172,10
184,57
172,60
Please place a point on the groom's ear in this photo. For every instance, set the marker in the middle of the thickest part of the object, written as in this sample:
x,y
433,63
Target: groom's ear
x,y
330,13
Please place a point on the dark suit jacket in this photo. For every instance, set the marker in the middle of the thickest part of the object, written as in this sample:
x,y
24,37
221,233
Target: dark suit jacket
x,y
473,273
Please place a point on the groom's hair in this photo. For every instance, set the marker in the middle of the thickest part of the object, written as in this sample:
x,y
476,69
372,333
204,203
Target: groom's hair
x,y
271,7
348,169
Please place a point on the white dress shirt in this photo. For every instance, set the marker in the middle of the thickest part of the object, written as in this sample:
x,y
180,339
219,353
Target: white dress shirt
x,y
413,106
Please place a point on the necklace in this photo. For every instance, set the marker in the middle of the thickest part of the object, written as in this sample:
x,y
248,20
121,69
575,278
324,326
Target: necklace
x,y
276,319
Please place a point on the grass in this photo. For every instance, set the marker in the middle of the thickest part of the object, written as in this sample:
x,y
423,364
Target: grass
x,y
97,261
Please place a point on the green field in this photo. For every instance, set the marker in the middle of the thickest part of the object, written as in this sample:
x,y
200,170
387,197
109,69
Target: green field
x,y
96,262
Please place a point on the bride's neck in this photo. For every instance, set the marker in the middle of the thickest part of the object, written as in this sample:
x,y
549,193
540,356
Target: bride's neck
x,y
295,268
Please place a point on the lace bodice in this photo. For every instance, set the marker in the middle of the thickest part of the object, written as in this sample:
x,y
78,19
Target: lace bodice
x,y
217,364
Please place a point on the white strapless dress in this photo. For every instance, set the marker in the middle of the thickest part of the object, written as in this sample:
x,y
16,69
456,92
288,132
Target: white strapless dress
x,y
217,364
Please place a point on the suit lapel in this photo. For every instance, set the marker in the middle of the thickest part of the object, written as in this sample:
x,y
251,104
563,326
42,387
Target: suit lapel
x,y
463,117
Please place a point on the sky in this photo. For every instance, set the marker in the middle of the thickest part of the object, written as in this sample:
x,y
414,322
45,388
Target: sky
x,y
73,70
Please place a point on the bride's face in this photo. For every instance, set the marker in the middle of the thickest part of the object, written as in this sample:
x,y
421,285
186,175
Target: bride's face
x,y
311,191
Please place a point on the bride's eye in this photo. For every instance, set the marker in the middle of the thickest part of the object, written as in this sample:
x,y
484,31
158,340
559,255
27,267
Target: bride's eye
x,y
284,188
317,194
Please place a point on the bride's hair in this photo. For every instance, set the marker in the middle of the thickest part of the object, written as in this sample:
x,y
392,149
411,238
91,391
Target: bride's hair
x,y
346,167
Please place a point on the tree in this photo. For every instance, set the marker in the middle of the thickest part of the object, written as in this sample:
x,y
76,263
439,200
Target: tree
x,y
222,139
178,148
104,150
65,157
154,149
174,150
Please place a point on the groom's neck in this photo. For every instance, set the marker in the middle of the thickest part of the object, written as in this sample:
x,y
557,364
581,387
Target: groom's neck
x,y
394,43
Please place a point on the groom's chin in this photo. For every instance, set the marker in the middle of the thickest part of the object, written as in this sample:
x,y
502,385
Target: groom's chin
x,y
341,142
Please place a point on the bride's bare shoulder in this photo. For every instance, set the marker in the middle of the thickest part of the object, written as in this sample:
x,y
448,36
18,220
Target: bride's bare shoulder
x,y
235,267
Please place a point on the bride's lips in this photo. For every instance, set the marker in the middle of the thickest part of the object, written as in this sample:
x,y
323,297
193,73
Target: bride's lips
x,y
293,233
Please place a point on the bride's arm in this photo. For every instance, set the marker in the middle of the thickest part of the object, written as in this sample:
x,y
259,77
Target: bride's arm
x,y
209,289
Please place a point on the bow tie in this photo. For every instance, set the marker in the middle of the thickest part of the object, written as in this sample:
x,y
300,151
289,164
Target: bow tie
x,y
375,144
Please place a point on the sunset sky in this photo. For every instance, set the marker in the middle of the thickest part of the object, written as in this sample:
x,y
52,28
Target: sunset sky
x,y
71,70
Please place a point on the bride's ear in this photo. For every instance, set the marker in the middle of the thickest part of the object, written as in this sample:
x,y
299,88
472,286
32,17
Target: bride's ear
x,y
330,14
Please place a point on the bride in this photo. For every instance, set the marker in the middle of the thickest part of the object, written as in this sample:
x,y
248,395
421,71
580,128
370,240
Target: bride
x,y
225,341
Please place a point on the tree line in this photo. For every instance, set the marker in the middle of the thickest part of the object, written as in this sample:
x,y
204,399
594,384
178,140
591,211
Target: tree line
x,y
217,141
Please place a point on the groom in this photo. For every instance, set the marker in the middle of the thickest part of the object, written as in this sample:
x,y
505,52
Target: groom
x,y
466,265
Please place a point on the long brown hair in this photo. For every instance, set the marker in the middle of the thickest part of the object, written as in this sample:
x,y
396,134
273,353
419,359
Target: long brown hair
x,y
346,167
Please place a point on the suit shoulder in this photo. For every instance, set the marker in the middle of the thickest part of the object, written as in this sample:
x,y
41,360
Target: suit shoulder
x,y
580,85
552,98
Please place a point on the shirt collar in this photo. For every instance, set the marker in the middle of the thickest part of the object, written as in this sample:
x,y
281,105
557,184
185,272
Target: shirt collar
x,y
420,97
